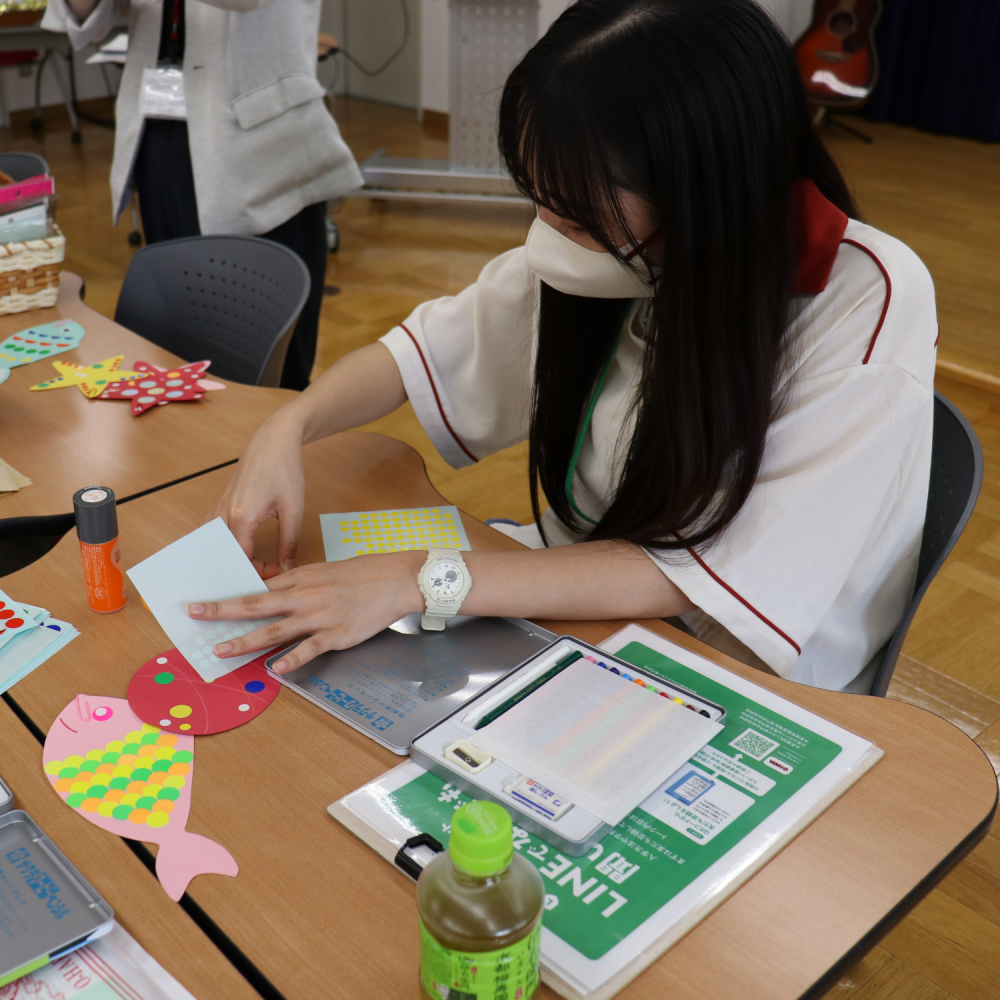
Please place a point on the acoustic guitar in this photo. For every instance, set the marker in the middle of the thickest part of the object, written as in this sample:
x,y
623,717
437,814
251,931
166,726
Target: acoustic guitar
x,y
836,53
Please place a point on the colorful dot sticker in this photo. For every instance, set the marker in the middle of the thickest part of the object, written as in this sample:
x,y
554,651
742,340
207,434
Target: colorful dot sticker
x,y
372,532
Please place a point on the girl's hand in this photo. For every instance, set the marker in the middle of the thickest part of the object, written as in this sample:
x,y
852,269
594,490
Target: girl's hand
x,y
268,482
337,604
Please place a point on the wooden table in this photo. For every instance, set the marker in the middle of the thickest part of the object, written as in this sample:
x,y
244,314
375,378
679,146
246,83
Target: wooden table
x,y
63,441
322,915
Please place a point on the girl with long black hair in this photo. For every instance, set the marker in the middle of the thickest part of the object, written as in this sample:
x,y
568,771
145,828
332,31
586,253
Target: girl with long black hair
x,y
725,377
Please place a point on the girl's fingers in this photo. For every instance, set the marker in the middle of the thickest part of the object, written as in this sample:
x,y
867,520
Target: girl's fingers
x,y
305,651
276,634
251,606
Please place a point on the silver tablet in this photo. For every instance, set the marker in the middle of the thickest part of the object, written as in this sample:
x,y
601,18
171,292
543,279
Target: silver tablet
x,y
404,680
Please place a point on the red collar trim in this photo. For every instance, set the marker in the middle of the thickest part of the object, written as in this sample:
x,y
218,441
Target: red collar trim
x,y
819,228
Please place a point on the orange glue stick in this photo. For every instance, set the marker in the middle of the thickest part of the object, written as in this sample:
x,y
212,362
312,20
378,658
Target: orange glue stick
x,y
97,529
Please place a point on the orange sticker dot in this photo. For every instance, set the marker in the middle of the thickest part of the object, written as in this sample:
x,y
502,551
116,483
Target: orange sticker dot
x,y
127,759
90,805
65,784
136,815
166,740
163,806
180,769
113,795
147,751
105,768
136,786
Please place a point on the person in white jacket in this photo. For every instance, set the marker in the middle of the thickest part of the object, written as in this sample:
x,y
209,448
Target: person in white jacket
x,y
249,147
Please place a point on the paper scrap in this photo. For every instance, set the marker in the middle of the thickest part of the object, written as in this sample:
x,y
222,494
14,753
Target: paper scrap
x,y
42,341
152,804
206,565
597,739
10,479
369,531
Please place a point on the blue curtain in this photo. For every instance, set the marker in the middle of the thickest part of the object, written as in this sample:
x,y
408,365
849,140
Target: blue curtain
x,y
939,66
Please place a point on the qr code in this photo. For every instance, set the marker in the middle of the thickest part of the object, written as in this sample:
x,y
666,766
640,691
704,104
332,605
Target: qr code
x,y
753,744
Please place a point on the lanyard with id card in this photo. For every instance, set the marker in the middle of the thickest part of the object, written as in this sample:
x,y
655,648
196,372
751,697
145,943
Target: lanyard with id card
x,y
163,93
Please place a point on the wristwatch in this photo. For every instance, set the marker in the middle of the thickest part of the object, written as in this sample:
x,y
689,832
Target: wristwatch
x,y
444,581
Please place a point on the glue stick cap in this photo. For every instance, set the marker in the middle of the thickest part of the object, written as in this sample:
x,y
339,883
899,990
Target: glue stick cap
x,y
482,841
96,517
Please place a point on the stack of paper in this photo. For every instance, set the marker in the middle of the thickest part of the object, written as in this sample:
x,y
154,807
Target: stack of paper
x,y
28,638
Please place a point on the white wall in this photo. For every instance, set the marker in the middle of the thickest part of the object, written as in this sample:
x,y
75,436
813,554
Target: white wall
x,y
371,30
792,15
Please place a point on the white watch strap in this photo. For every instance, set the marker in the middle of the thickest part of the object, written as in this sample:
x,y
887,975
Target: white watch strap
x,y
434,623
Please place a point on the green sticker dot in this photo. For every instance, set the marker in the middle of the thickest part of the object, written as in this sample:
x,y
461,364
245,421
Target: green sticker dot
x,y
121,812
89,765
150,738
75,800
132,748
44,352
110,758
162,765
141,774
98,365
96,791
170,793
183,757
120,783
146,802
68,772
30,350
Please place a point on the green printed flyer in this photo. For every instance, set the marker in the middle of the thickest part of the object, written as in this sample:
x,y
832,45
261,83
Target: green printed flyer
x,y
714,819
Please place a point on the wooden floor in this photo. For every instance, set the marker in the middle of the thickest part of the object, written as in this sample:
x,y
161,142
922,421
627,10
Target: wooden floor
x,y
938,194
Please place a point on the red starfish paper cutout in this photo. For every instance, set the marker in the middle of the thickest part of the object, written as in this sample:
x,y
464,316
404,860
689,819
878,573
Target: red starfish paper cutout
x,y
159,387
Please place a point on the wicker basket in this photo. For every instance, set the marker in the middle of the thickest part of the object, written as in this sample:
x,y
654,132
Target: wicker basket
x,y
29,273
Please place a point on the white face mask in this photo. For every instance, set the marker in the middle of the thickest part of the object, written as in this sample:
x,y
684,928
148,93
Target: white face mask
x,y
575,270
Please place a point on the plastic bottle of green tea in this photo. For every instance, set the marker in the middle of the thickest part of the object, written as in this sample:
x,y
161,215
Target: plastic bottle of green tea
x,y
480,907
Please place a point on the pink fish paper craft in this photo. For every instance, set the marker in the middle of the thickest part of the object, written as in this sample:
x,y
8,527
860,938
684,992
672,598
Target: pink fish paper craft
x,y
134,780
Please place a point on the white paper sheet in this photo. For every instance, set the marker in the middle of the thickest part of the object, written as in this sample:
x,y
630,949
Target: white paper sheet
x,y
597,739
113,966
207,565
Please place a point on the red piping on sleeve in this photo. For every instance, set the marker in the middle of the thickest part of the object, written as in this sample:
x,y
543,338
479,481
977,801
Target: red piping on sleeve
x,y
888,295
437,398
722,583
937,339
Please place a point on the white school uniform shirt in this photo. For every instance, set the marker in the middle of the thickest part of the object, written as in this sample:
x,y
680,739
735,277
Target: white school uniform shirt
x,y
815,571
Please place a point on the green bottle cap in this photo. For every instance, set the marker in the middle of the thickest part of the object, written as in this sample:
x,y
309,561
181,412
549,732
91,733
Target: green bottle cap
x,y
482,841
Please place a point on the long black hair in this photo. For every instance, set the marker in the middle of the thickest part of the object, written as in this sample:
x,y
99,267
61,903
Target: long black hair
x,y
696,107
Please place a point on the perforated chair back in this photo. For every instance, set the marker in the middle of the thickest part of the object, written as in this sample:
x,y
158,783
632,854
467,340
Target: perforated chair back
x,y
233,300
956,477
21,166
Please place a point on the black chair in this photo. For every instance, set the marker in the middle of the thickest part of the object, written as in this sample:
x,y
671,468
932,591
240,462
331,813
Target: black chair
x,y
25,539
956,476
21,166
233,300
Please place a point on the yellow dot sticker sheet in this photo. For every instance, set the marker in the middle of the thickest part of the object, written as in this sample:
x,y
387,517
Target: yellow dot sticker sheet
x,y
367,532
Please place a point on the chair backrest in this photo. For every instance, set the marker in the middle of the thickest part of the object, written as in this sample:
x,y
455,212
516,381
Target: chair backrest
x,y
233,300
956,476
21,166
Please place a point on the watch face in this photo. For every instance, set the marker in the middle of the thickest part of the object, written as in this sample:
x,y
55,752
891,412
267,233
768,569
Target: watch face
x,y
446,580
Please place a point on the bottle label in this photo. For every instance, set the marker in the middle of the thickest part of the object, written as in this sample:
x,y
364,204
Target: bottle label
x,y
506,974
103,575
